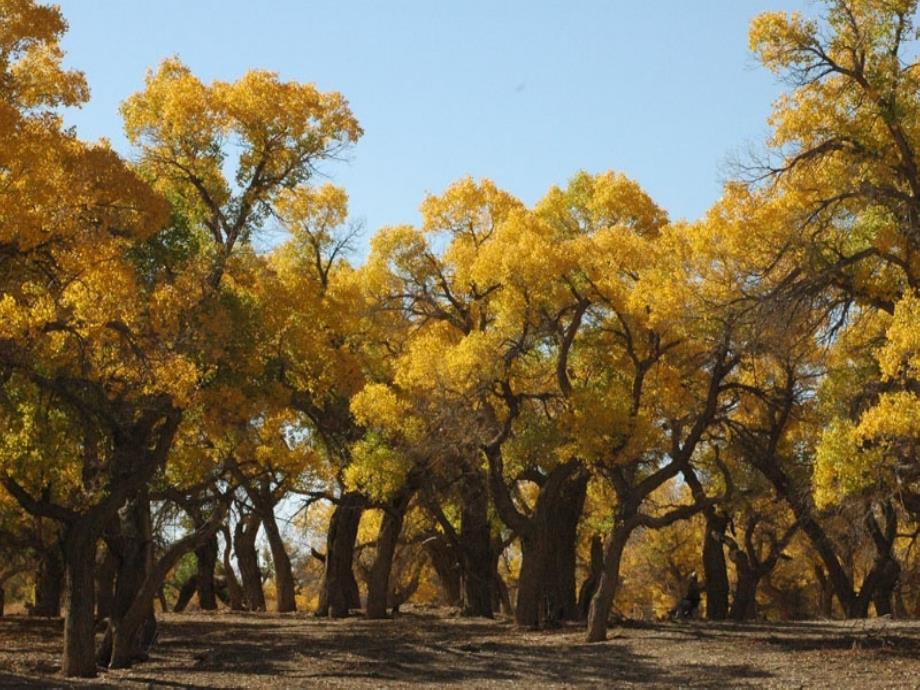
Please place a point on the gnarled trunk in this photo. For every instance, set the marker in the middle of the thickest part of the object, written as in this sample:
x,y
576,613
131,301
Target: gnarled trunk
x,y
595,570
49,581
284,576
378,585
602,600
234,589
744,603
446,564
105,585
476,546
244,545
79,659
339,591
714,567
206,560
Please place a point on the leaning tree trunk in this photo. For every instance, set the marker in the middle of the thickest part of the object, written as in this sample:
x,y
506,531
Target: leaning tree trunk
x,y
607,585
378,585
79,543
446,564
206,560
234,589
714,568
284,576
49,580
244,545
476,547
339,591
134,548
595,570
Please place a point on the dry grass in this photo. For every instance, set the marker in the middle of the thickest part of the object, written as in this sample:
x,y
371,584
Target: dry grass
x,y
223,650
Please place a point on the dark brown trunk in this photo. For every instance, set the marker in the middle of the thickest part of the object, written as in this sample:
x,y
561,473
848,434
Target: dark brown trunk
x,y
476,546
284,576
595,570
234,589
2,601
79,658
186,592
744,603
825,593
714,568
244,545
446,564
105,585
49,580
133,546
602,601
562,521
206,561
339,591
378,585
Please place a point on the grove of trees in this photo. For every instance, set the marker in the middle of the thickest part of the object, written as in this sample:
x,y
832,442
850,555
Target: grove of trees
x,y
554,412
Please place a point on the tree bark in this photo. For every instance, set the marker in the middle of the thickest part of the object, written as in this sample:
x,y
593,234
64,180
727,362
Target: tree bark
x,y
476,546
744,603
79,659
602,601
105,585
714,568
339,591
284,576
206,560
595,570
244,545
49,581
234,589
446,564
378,585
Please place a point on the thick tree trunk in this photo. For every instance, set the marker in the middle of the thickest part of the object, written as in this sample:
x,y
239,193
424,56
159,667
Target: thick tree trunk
x,y
339,591
206,560
714,568
446,564
186,592
49,581
562,521
79,658
234,589
595,570
476,546
2,601
602,601
244,545
744,603
378,585
284,576
105,585
124,638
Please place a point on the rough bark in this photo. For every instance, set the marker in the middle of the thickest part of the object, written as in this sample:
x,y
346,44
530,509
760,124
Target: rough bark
x,y
339,591
49,581
234,589
714,567
744,603
607,585
446,564
476,546
378,585
595,569
206,561
79,658
244,546
105,585
284,576
2,601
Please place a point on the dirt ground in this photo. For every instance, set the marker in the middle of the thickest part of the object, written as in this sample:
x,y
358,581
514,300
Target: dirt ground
x,y
426,648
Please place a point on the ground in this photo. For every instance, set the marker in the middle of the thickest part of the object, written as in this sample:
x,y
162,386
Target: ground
x,y
421,647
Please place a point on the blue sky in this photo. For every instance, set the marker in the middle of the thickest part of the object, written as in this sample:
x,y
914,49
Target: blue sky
x,y
524,92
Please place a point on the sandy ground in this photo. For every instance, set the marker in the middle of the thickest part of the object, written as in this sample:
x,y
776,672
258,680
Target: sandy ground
x,y
426,648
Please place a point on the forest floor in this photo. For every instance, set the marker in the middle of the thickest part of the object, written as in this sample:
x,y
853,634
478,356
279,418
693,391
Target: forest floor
x,y
231,650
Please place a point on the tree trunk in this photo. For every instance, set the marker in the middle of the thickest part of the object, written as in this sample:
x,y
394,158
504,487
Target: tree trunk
x,y
105,585
133,547
339,591
79,658
186,592
234,589
714,568
602,601
589,586
2,601
744,603
476,546
446,564
244,545
284,576
562,521
206,560
49,579
378,585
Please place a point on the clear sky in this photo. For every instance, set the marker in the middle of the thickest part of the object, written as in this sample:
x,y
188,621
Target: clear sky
x,y
526,92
